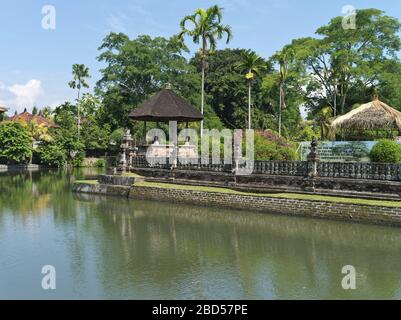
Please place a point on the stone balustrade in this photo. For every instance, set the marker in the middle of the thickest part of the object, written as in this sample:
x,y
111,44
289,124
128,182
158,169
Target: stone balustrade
x,y
312,168
371,171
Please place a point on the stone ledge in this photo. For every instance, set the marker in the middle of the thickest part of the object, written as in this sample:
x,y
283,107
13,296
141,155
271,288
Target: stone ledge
x,y
390,216
118,180
25,167
359,188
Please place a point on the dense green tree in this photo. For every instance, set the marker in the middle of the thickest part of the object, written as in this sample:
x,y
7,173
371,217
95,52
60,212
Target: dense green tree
x,y
206,28
94,136
227,91
389,84
52,154
283,88
344,61
65,136
136,69
15,143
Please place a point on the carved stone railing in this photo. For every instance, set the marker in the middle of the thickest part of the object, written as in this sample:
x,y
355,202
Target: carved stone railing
x,y
187,164
372,171
291,168
214,165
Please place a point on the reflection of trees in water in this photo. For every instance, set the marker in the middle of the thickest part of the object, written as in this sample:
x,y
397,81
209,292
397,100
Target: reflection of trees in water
x,y
28,192
162,241
173,250
26,195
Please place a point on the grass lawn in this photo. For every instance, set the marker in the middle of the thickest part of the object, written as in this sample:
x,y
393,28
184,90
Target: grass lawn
x,y
86,182
382,203
131,174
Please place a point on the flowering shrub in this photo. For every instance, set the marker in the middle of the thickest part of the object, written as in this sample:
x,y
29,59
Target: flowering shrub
x,y
269,146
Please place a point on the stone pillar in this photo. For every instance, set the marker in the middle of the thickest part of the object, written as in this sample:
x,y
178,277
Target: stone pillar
x,y
174,156
313,160
125,148
130,160
237,153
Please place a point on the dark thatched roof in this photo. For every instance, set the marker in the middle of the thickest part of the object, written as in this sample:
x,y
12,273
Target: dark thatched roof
x,y
374,115
3,109
166,106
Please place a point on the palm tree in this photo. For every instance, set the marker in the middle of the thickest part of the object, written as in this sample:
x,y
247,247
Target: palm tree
x,y
284,58
253,65
206,28
324,118
80,73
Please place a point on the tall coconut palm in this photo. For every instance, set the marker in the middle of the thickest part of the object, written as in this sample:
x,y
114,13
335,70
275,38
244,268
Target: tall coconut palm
x,y
80,73
253,65
206,27
284,58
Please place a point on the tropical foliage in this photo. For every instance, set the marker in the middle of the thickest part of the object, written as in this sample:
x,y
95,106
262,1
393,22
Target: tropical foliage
x,y
295,94
15,143
207,28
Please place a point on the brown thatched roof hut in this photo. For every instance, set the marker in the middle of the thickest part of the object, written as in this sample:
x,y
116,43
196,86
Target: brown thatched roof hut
x,y
375,115
3,109
166,106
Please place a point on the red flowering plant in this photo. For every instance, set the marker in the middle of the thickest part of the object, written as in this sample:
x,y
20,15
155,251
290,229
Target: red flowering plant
x,y
270,146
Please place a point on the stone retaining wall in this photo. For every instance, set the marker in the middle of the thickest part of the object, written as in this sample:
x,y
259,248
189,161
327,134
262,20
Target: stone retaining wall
x,y
27,167
102,189
305,208
319,185
118,180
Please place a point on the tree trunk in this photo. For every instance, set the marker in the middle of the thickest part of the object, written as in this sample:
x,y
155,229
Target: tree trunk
x,y
31,158
203,96
249,107
280,107
343,98
335,102
79,116
204,47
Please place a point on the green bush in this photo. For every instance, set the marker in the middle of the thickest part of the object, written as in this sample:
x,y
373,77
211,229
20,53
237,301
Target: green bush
x,y
269,146
15,142
100,163
51,155
386,151
78,160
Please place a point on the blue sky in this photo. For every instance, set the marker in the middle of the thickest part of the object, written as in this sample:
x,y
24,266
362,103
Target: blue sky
x,y
35,64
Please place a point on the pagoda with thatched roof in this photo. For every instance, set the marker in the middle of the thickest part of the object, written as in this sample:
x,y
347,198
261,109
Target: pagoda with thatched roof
x,y
166,106
370,121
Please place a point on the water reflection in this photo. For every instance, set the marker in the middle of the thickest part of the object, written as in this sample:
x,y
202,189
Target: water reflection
x,y
107,247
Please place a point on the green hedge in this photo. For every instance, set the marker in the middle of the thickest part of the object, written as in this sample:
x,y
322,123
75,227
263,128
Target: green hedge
x,y
386,151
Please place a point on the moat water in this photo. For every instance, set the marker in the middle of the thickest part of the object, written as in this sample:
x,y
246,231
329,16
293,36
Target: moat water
x,y
113,248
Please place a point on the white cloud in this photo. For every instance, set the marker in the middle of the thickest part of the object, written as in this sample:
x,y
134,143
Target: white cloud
x,y
20,96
